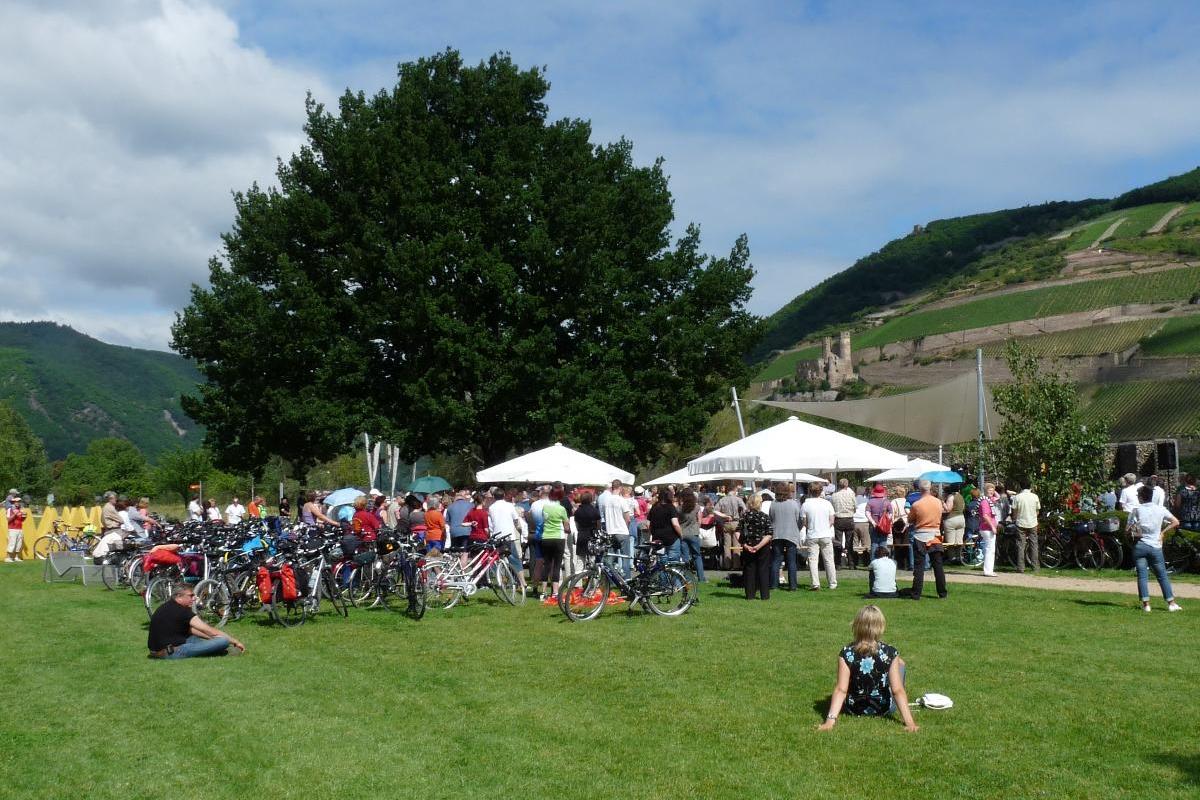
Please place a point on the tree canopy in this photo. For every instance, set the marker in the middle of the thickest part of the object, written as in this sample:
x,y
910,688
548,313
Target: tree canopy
x,y
23,462
443,266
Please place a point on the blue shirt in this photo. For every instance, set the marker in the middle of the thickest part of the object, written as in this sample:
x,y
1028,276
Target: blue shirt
x,y
455,514
345,514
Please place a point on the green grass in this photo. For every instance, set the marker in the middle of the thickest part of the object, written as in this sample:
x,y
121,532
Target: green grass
x,y
784,366
1185,220
1148,409
1056,695
1095,340
1179,337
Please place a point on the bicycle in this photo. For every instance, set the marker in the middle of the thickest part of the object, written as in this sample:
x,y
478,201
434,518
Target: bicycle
x,y
396,574
230,591
448,581
1180,551
1064,544
63,538
660,588
320,584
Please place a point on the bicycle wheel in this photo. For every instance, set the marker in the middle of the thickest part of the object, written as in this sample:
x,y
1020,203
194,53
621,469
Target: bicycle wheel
x,y
45,545
159,591
439,591
288,613
212,602
245,588
670,593
361,587
416,592
972,554
584,595
1053,554
1178,555
1087,554
135,574
87,543
504,582
1114,552
1008,551
112,574
337,598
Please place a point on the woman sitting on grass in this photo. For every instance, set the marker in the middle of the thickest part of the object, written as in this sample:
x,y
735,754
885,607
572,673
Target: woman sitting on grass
x,y
870,674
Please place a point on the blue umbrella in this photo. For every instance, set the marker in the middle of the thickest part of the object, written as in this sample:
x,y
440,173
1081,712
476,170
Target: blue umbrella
x,y
942,476
342,497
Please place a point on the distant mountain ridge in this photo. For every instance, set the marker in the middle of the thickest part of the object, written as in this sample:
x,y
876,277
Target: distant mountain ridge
x,y
72,389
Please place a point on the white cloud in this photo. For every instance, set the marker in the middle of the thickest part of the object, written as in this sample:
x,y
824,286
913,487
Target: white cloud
x,y
127,126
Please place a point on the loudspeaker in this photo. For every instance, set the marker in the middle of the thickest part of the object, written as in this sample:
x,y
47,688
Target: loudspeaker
x,y
1126,460
1166,456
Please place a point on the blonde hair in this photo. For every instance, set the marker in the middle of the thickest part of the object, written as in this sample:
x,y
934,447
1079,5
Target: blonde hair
x,y
360,502
754,502
867,627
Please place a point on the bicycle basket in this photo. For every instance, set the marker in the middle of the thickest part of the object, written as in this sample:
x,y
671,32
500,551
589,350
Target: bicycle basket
x,y
1108,525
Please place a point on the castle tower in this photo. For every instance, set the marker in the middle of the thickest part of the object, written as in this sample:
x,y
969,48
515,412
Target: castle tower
x,y
844,347
826,347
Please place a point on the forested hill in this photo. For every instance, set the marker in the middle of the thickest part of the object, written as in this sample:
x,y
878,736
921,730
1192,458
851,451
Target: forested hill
x,y
940,250
72,389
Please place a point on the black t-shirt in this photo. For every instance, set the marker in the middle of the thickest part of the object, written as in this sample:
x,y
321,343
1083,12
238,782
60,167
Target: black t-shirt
x,y
170,625
587,520
660,517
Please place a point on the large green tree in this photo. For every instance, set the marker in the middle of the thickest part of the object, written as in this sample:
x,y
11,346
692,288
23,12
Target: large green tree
x,y
1043,438
23,462
109,464
178,469
445,267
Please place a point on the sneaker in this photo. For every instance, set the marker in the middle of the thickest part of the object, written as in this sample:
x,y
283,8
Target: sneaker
x,y
1173,606
833,586
1146,607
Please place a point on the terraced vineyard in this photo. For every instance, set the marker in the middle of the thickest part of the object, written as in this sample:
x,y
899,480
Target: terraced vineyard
x,y
1148,408
1091,341
1179,337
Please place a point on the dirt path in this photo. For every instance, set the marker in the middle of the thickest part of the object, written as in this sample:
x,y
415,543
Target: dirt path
x,y
1109,231
1165,220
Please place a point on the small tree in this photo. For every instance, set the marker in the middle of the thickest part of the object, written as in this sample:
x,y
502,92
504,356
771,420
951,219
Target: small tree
x,y
179,469
1043,437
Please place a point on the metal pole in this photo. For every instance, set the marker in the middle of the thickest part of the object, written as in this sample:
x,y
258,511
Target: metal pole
x,y
979,392
738,408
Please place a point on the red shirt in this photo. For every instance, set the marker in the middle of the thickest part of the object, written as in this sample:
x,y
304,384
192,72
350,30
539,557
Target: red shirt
x,y
366,525
16,518
480,517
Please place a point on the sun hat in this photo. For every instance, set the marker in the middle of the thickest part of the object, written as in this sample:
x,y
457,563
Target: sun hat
x,y
879,490
639,490
375,492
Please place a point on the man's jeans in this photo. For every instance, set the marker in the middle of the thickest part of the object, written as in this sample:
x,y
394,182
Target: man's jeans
x,y
624,561
821,549
782,549
691,554
1027,542
1146,556
196,646
920,550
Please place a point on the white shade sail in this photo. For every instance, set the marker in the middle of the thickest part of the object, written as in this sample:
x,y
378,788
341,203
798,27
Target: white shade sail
x,y
910,471
796,445
683,476
555,463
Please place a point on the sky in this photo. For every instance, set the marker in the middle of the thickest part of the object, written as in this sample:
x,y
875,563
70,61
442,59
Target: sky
x,y
820,129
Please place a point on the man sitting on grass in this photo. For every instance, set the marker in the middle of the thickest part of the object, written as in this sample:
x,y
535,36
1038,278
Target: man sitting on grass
x,y
176,631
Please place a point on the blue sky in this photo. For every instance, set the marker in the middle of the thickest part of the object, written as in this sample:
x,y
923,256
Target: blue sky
x,y
821,129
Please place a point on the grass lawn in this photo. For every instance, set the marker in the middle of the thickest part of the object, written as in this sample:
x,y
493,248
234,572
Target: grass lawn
x,y
1057,695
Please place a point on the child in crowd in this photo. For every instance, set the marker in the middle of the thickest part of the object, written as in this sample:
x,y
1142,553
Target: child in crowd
x,y
881,574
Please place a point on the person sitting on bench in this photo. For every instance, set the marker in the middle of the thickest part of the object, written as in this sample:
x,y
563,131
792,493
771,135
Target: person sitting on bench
x,y
176,631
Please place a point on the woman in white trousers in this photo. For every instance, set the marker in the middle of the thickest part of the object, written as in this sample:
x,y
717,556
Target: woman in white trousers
x,y
987,529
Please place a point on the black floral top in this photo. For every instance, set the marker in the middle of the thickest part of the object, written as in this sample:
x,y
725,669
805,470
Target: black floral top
x,y
870,694
755,526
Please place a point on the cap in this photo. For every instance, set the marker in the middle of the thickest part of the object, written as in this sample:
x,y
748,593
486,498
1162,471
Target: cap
x,y
375,493
639,490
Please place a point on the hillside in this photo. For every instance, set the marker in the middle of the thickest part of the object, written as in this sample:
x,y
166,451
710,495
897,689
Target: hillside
x,y
967,255
72,389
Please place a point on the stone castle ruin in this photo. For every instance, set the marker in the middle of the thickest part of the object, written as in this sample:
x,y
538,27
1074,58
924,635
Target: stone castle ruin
x,y
835,367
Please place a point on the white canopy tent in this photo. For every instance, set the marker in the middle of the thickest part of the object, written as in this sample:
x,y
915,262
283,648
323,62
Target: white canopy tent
x,y
683,476
555,463
795,445
910,471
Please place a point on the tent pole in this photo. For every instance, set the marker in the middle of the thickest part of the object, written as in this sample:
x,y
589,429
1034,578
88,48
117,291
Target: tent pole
x,y
979,393
738,408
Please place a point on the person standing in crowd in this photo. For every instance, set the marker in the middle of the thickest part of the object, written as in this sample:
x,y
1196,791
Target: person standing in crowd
x,y
1149,524
843,513
212,510
1158,493
537,517
988,530
1187,503
877,507
456,516
195,510
870,675
311,513
234,512
1108,499
364,523
689,528
285,508
616,514
785,531
664,523
819,521
954,523
435,527
631,509
925,526
110,518
754,536
858,550
553,542
1129,492
8,498
16,529
901,546
587,526
504,520
731,507
881,575
1025,508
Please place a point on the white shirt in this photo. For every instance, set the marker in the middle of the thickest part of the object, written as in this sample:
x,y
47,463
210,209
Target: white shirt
x,y
1159,496
818,515
234,513
1129,497
503,518
884,580
612,510
214,514
126,525
860,511
1147,521
195,512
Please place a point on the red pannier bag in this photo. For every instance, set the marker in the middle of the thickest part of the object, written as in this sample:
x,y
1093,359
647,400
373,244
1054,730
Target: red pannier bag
x,y
160,558
263,579
287,581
